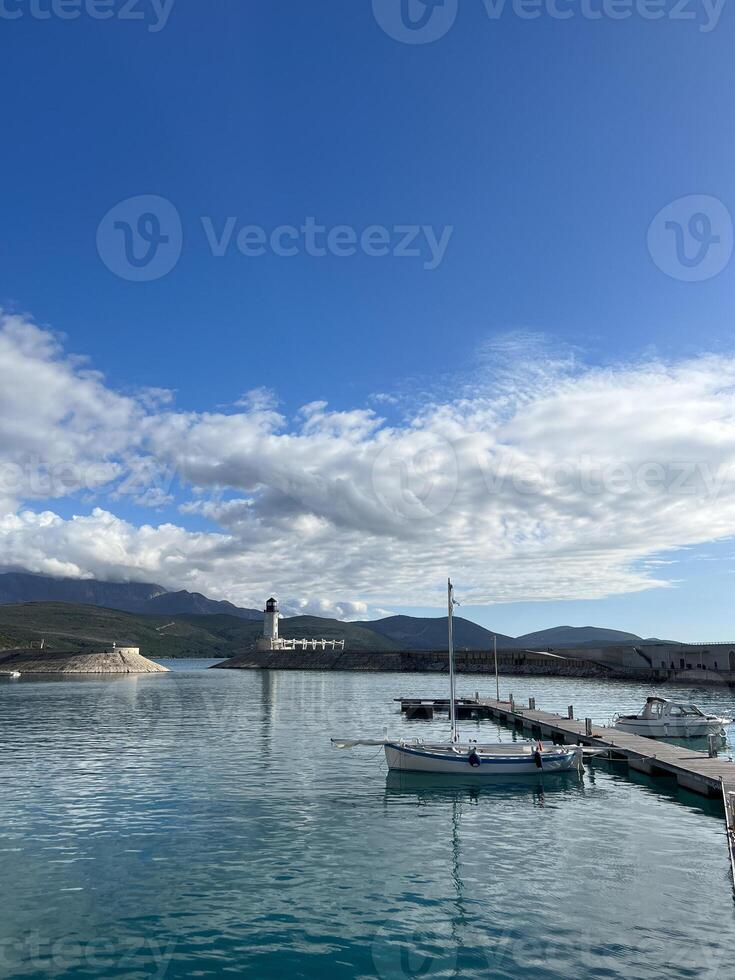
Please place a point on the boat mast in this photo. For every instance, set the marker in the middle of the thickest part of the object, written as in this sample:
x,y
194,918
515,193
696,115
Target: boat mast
x,y
452,705
497,679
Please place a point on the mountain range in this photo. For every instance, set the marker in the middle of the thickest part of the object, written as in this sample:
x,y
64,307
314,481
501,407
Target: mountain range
x,y
218,623
416,633
134,597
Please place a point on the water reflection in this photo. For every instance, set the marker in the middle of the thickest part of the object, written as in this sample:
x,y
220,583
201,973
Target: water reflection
x,y
205,815
428,788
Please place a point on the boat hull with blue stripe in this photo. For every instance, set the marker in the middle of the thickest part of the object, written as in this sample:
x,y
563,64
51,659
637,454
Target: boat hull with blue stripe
x,y
501,759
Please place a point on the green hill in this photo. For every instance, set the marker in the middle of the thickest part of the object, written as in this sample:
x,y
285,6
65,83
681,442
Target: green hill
x,y
581,636
144,598
430,633
66,626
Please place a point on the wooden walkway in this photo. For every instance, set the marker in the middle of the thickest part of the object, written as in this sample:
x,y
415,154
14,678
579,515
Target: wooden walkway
x,y
693,770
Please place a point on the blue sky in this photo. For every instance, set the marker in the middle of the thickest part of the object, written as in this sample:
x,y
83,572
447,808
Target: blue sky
x,y
543,148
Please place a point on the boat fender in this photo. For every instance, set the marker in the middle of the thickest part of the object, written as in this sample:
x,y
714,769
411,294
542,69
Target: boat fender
x,y
473,758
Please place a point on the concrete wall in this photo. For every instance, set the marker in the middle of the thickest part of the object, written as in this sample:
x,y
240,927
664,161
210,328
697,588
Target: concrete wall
x,y
659,656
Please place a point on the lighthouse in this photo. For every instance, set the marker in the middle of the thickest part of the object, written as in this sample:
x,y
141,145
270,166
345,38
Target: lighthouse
x,y
270,622
270,640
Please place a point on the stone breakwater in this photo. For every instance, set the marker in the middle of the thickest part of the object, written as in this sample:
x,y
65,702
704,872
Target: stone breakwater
x,y
471,662
125,660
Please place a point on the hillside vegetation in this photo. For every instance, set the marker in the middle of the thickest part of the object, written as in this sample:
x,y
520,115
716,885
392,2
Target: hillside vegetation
x,y
146,598
416,633
66,626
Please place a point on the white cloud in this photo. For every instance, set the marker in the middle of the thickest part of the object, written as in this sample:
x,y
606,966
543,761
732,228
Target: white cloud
x,y
542,479
61,428
258,400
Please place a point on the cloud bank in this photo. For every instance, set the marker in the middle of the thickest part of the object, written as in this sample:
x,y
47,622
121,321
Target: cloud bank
x,y
541,479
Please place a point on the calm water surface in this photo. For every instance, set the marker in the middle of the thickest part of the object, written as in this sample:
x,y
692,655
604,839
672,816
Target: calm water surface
x,y
199,824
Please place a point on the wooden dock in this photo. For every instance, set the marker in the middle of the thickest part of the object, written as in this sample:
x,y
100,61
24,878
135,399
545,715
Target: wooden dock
x,y
693,770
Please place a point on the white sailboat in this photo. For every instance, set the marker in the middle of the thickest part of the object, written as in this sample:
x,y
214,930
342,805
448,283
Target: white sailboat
x,y
465,757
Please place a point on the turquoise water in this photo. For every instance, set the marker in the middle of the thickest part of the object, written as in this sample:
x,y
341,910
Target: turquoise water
x,y
199,824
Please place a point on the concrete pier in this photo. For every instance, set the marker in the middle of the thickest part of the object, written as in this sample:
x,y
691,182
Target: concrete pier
x,y
528,663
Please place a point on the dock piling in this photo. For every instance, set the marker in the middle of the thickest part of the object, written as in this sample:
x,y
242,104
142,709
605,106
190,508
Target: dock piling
x,y
570,712
420,711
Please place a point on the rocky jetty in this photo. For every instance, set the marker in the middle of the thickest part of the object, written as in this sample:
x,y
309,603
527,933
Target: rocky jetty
x,y
120,660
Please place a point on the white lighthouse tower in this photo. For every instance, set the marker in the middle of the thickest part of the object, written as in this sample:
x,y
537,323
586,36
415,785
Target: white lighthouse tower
x,y
270,640
270,622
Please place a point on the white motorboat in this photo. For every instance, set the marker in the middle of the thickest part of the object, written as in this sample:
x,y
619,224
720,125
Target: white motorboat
x,y
468,757
661,718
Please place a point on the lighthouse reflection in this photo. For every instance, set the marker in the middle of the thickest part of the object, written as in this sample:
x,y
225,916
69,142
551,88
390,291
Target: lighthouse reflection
x,y
268,707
